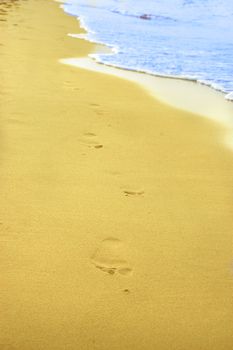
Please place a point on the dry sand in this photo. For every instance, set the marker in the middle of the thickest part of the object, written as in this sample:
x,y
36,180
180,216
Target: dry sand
x,y
115,209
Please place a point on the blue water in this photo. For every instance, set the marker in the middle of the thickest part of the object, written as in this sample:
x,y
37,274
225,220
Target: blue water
x,y
183,38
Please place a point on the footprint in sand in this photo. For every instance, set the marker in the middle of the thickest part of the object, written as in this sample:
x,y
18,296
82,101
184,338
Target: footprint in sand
x,y
68,85
133,192
89,134
111,257
98,146
96,108
89,140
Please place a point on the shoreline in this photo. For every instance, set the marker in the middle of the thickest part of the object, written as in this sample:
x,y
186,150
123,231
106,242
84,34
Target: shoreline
x,y
228,96
186,94
115,208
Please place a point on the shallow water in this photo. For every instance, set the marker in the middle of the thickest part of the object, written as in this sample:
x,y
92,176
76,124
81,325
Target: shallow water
x,y
183,38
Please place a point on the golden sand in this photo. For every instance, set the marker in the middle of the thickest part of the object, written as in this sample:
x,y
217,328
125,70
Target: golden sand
x,y
115,209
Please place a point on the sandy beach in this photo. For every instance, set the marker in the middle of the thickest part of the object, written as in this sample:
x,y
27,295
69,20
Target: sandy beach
x,y
115,209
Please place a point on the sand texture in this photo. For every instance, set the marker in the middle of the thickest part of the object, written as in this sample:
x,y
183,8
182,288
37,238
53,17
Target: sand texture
x,y
116,211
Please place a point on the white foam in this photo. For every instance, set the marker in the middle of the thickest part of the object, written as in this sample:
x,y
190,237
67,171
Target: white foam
x,y
229,96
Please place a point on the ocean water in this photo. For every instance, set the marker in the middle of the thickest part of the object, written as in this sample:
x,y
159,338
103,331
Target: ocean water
x,y
190,39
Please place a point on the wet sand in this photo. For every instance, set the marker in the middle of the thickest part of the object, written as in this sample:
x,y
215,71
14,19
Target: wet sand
x,y
115,209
